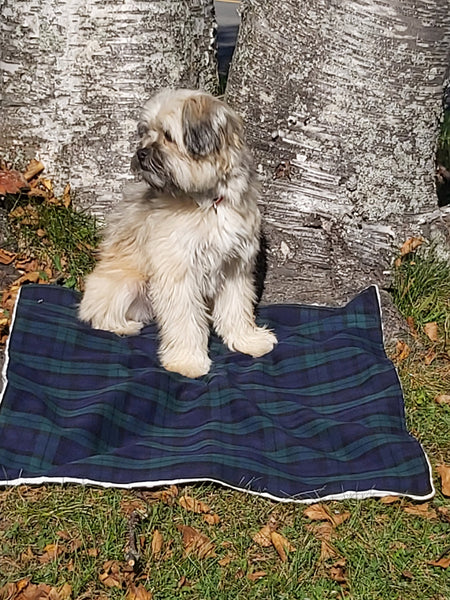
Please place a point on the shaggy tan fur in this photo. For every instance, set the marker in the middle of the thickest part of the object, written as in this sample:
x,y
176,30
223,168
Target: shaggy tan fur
x,y
181,246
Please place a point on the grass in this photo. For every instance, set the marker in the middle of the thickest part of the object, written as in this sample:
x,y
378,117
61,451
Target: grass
x,y
61,238
385,550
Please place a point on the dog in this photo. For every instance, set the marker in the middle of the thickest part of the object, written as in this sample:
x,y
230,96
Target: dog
x,y
181,247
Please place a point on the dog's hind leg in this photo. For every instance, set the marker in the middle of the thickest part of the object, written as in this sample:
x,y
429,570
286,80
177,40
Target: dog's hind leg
x,y
114,300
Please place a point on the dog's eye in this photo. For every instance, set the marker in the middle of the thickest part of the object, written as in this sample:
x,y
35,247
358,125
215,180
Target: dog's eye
x,y
168,137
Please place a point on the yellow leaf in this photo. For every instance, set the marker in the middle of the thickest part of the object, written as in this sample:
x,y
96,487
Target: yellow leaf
x,y
402,351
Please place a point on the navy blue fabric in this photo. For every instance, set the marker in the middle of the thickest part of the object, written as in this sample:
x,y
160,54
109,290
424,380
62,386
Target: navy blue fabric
x,y
320,416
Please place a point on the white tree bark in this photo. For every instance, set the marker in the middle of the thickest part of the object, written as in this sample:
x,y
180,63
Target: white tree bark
x,y
342,100
75,73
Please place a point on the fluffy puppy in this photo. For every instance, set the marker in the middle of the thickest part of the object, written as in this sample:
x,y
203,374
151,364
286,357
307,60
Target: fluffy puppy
x,y
181,246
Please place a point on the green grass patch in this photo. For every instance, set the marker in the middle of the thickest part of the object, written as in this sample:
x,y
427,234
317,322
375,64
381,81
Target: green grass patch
x,y
59,236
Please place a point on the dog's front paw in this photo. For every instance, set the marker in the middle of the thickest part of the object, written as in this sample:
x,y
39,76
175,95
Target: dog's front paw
x,y
256,342
190,366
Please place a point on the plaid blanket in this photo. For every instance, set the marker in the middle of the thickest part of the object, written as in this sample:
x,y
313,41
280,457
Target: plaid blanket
x,y
320,417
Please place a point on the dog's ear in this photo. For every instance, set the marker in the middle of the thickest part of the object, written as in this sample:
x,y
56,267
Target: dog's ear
x,y
208,125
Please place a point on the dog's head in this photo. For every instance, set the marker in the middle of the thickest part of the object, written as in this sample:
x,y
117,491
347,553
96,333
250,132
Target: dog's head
x,y
190,142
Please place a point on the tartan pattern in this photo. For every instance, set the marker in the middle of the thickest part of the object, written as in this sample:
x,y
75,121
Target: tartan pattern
x,y
321,416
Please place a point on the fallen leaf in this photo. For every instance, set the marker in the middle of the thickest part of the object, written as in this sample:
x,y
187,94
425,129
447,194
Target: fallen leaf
x,y
137,593
421,510
389,499
184,582
327,551
157,543
212,519
281,544
51,552
192,505
6,257
431,331
444,512
34,167
444,563
223,562
444,473
320,512
402,351
196,543
256,575
66,199
25,590
442,399
338,572
12,182
407,575
129,505
412,326
429,356
322,531
166,496
262,537
115,574
410,245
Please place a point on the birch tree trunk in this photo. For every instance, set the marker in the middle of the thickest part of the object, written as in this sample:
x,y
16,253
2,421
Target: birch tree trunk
x,y
342,101
75,74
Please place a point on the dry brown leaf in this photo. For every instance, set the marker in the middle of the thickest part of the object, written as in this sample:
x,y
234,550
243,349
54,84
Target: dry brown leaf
x,y
115,574
443,563
137,593
166,496
412,326
442,399
327,551
25,590
431,331
410,245
338,571
281,544
263,536
444,474
184,582
429,356
12,182
66,199
212,519
34,167
51,552
256,575
157,543
129,505
320,512
192,505
6,257
223,562
444,513
389,499
402,351
322,531
421,510
196,542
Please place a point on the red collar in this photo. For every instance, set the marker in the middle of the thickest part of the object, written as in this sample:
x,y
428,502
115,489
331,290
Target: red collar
x,y
217,201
